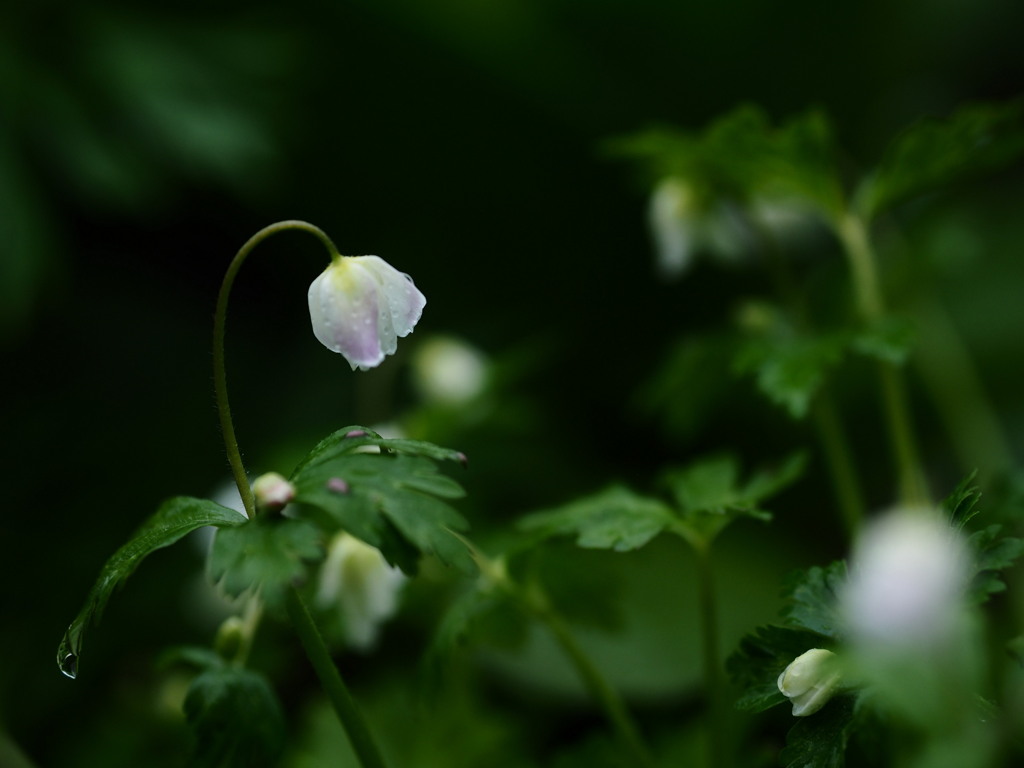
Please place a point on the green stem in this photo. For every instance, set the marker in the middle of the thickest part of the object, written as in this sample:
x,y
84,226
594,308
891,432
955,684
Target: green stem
x,y
219,376
857,245
840,461
348,713
595,683
714,684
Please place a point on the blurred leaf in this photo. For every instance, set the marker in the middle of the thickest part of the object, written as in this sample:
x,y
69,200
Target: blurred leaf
x,y
936,153
962,504
392,502
993,553
174,519
890,340
812,603
236,719
710,494
615,518
790,368
761,657
819,740
268,554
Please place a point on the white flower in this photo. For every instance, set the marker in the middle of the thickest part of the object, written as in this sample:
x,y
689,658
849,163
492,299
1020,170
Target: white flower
x,y
810,681
357,580
360,306
682,224
449,371
908,573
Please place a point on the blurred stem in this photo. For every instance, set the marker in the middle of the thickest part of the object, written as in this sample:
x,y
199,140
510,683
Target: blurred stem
x,y
714,683
219,376
536,602
840,461
857,245
348,713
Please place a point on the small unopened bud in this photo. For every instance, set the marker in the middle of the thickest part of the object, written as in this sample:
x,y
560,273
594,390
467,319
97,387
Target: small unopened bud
x,y
337,485
356,433
810,681
272,491
230,638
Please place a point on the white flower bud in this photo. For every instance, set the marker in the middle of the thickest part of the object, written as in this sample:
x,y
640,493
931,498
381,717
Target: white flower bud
x,y
272,491
810,681
449,371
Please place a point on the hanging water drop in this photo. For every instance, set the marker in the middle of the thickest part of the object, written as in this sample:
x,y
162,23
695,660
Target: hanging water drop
x,y
68,665
67,656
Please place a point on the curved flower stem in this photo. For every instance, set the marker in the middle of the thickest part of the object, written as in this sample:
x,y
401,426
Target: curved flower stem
x,y
348,713
856,243
219,376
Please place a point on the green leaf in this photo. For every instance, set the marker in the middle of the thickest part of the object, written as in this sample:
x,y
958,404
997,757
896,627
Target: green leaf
x,y
819,740
937,153
993,553
391,501
268,554
761,657
356,439
890,339
962,504
615,518
710,495
812,602
174,519
790,368
236,719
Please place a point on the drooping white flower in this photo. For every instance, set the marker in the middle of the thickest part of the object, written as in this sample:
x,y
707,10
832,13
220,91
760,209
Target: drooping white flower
x,y
810,681
357,580
360,306
908,574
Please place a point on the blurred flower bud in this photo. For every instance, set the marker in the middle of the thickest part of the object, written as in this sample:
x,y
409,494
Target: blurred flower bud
x,y
230,638
357,580
360,306
449,371
908,574
272,491
810,681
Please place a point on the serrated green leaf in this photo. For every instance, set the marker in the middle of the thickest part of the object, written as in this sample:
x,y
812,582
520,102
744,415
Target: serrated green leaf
x,y
962,504
890,339
615,518
819,740
355,439
812,602
761,657
710,495
268,554
993,553
390,501
236,719
174,519
937,153
789,369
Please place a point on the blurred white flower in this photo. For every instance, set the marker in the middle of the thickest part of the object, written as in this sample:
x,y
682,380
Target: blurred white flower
x,y
360,306
449,371
357,580
272,491
681,224
908,574
810,681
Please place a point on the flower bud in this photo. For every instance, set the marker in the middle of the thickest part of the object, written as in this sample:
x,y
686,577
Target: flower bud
x,y
272,491
810,681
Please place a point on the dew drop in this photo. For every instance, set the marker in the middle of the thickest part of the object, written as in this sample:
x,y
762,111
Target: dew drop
x,y
69,665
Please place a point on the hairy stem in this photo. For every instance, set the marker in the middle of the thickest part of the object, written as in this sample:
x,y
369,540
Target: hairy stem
x,y
220,383
348,713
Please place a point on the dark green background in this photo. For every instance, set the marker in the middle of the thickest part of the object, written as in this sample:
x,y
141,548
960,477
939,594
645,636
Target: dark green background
x,y
462,141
